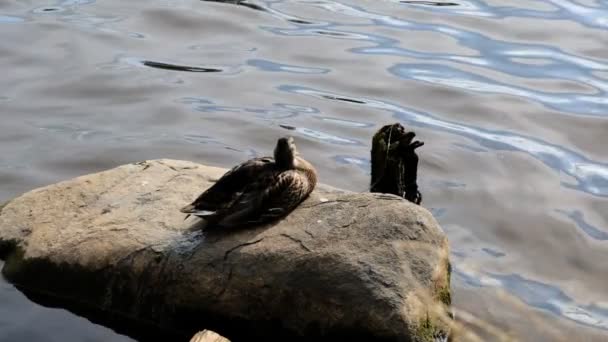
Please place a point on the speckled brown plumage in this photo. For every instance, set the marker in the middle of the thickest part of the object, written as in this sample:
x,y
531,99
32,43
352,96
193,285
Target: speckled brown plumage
x,y
257,191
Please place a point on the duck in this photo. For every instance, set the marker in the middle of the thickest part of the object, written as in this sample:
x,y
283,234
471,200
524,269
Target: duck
x,y
258,190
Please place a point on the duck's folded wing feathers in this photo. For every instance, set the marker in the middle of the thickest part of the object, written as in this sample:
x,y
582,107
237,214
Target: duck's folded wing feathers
x,y
289,190
248,204
231,185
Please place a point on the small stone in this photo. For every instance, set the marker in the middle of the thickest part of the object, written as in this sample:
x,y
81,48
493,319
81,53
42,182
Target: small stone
x,y
208,336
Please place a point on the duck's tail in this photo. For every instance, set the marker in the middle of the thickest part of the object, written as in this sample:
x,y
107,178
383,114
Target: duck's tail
x,y
190,209
187,209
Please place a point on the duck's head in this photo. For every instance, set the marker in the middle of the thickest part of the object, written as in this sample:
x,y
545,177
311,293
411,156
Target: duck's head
x,y
285,153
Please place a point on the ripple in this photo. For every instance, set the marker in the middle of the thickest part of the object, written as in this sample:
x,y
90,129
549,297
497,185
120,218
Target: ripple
x,y
592,176
302,22
136,35
362,163
482,9
266,65
586,15
342,98
193,100
321,136
428,3
297,108
74,132
200,139
346,123
260,113
493,253
141,62
337,34
579,220
448,184
48,9
176,67
76,2
203,139
551,298
539,295
99,23
448,76
494,54
9,19
471,148
499,56
439,213
268,9
276,111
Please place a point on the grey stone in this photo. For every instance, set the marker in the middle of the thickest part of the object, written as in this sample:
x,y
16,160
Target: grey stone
x,y
208,336
341,264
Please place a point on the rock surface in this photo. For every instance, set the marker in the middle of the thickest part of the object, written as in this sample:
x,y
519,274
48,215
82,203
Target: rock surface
x,y
208,336
342,264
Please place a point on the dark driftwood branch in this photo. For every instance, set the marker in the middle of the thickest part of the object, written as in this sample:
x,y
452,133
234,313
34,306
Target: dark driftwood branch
x,y
395,163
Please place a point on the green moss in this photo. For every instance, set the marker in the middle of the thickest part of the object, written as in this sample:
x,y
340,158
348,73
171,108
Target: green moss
x,y
428,328
427,331
444,295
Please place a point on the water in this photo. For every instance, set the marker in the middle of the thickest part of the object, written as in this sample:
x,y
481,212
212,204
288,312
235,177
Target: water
x,y
510,98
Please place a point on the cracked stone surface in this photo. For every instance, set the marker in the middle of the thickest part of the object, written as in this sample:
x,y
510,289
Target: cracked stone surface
x,y
341,264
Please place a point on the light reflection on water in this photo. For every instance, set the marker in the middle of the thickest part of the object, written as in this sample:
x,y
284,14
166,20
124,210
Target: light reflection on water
x,y
594,180
510,98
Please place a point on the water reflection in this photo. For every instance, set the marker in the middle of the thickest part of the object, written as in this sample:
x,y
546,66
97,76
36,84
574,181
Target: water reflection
x,y
176,67
266,65
448,76
100,83
22,320
362,163
48,9
579,220
266,7
122,62
541,296
241,3
321,136
429,3
493,253
8,19
470,269
592,176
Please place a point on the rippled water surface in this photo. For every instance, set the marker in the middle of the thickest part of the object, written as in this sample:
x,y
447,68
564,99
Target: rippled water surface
x,y
510,97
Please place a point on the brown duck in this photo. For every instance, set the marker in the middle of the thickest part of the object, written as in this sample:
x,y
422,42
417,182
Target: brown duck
x,y
257,191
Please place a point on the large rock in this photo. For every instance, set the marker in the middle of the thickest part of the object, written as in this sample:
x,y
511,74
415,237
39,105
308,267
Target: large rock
x,y
342,264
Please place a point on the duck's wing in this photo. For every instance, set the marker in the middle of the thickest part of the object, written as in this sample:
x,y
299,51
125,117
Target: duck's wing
x,y
292,188
276,197
229,188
